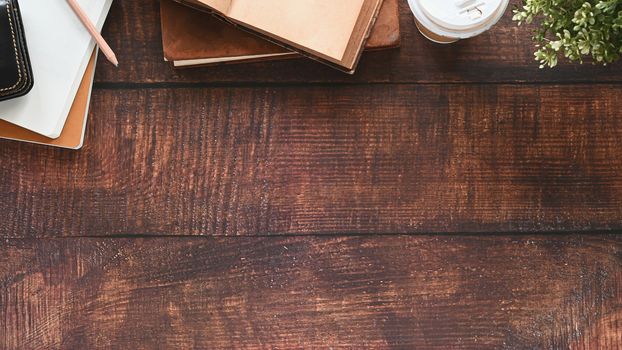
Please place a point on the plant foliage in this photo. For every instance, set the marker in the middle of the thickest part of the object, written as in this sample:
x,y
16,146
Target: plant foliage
x,y
574,28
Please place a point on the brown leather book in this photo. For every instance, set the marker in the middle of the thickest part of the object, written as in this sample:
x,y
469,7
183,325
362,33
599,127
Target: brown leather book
x,y
194,38
72,136
328,31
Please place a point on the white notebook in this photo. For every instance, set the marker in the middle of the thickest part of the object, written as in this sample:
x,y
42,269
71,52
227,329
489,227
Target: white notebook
x,y
60,48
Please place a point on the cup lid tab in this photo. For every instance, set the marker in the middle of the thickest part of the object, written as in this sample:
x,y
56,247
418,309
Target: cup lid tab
x,y
460,14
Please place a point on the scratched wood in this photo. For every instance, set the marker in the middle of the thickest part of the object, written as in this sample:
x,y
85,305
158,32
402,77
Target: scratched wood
x,y
312,160
504,54
467,138
531,292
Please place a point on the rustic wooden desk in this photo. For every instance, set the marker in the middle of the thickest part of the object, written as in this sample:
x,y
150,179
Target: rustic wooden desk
x,y
443,197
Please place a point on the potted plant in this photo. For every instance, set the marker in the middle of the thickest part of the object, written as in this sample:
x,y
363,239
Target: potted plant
x,y
575,29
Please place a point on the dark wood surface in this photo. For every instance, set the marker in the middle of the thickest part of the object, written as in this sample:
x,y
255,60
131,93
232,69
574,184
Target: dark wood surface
x,y
504,54
324,160
423,292
444,197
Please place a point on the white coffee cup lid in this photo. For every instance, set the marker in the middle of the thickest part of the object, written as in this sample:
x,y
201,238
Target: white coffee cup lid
x,y
459,17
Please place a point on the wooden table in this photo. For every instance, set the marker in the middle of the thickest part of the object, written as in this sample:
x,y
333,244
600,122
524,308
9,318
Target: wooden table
x,y
444,197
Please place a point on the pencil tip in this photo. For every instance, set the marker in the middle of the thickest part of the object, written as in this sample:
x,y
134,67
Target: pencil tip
x,y
113,59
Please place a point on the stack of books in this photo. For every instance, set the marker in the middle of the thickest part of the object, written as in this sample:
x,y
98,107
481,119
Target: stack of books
x,y
63,56
212,32
194,33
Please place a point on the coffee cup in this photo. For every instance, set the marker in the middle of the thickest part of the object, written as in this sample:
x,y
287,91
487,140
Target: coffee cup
x,y
447,21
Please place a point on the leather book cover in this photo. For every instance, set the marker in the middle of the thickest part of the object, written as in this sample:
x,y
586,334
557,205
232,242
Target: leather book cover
x,y
193,38
333,33
15,70
72,135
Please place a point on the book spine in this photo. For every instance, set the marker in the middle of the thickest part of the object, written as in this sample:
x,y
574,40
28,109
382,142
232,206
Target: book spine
x,y
368,33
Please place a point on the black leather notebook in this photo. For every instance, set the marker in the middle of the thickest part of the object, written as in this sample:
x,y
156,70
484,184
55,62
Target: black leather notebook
x,y
15,71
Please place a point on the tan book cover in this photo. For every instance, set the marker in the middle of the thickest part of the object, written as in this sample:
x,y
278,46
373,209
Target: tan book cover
x,y
72,136
193,38
332,32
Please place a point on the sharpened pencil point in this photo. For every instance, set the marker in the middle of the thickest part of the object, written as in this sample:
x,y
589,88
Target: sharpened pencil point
x,y
113,59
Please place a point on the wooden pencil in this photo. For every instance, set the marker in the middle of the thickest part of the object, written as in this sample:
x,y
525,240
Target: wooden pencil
x,y
103,45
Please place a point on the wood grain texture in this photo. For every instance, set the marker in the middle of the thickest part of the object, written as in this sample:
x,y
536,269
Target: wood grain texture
x,y
312,160
535,292
504,54
470,137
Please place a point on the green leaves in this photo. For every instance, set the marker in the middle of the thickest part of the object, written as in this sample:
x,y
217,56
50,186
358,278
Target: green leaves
x,y
575,29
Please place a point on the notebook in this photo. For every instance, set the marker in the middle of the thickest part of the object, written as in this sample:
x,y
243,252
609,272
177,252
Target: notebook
x,y
332,32
192,38
60,48
72,136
